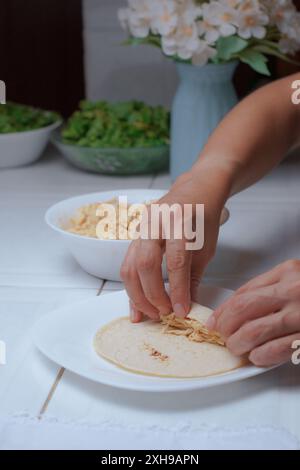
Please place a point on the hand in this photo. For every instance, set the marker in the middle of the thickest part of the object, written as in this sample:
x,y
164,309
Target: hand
x,y
262,319
141,270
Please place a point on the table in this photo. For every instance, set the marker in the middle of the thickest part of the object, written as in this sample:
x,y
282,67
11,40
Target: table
x,y
38,275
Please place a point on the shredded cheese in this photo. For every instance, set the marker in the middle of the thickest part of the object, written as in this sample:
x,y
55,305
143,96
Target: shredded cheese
x,y
190,328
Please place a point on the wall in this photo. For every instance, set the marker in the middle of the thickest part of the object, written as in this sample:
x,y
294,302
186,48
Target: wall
x,y
117,72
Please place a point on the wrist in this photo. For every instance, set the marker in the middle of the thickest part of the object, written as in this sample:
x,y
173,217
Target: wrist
x,y
216,176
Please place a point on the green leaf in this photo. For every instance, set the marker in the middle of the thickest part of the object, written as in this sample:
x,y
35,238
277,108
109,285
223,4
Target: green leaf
x,y
275,52
230,46
256,60
151,40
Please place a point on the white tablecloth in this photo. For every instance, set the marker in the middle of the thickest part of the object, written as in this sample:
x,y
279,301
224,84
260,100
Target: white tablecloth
x,y
38,275
25,433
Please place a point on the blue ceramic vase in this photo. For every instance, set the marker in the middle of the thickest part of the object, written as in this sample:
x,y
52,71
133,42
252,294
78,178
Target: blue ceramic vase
x,y
205,94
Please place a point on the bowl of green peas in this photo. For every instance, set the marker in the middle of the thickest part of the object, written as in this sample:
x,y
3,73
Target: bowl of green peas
x,y
24,133
124,138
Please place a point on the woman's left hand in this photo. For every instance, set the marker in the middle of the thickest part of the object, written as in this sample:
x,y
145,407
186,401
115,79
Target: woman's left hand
x,y
262,319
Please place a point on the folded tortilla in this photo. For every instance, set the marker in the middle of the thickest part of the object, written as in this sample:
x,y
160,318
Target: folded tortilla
x,y
183,349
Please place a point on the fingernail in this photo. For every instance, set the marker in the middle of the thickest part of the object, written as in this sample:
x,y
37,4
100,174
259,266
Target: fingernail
x,y
164,310
133,316
131,313
211,322
254,358
179,311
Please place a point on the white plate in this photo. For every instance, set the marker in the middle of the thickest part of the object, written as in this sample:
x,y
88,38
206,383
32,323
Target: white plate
x,y
66,336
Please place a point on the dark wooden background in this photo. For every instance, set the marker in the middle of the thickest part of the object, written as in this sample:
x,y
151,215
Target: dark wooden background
x,y
41,54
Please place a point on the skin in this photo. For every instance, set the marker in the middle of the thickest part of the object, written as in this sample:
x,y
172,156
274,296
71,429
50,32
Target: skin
x,y
262,318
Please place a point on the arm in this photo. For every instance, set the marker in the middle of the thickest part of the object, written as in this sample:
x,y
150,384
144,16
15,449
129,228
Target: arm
x,y
249,142
255,136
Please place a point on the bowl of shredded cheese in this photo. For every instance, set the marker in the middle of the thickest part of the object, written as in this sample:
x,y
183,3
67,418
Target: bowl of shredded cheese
x,y
98,228
86,225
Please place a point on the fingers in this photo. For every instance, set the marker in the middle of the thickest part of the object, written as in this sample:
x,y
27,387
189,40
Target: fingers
x,y
283,272
242,308
133,285
179,270
142,272
258,332
150,274
271,277
274,352
135,315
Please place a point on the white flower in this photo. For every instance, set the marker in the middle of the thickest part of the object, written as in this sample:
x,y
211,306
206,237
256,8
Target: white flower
x,y
184,40
123,15
203,54
189,30
280,11
183,43
136,18
284,15
251,20
291,29
210,32
164,17
221,16
232,3
288,46
188,10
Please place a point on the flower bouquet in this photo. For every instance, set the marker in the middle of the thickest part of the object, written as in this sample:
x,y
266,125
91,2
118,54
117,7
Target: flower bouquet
x,y
207,39
200,31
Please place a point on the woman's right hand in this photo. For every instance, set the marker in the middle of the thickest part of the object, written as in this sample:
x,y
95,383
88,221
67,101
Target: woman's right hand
x,y
142,268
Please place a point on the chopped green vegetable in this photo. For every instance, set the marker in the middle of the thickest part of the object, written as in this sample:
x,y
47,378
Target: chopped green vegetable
x,y
118,125
19,118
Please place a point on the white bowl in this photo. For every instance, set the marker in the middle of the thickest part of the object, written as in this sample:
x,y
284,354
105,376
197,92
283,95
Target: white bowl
x,y
22,148
101,258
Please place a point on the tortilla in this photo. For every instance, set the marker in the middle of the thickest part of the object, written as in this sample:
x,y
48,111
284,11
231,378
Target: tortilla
x,y
149,348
